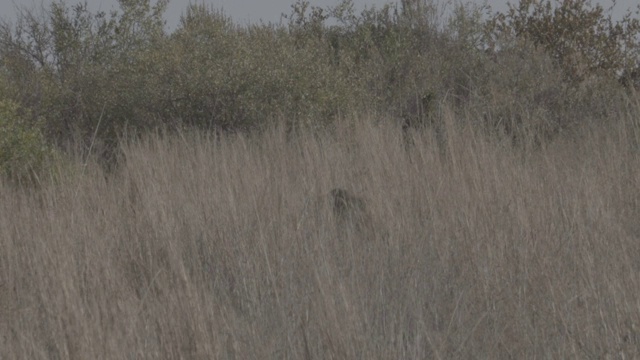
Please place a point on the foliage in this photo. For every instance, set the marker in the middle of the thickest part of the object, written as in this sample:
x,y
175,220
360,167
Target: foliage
x,y
23,150
231,78
582,38
74,67
93,77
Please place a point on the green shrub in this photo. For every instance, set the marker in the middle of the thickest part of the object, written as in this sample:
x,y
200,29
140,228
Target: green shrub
x,y
555,66
582,38
24,153
92,77
83,68
231,78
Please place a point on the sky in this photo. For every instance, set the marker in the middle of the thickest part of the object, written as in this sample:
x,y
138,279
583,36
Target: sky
x,y
253,11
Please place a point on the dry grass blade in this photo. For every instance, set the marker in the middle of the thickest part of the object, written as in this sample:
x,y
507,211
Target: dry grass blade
x,y
224,252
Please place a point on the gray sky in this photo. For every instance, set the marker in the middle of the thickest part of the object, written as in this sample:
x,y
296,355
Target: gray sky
x,y
244,11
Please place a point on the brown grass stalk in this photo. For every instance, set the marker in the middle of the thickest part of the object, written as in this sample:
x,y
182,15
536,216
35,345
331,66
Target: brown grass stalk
x,y
197,247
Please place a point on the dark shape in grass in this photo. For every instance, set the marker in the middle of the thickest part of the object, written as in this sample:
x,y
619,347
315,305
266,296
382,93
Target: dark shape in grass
x,y
349,210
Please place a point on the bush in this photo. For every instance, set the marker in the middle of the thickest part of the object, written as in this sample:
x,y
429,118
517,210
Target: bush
x,y
24,154
230,78
582,38
77,69
531,72
555,68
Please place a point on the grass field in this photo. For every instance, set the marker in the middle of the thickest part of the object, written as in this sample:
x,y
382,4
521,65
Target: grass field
x,y
199,247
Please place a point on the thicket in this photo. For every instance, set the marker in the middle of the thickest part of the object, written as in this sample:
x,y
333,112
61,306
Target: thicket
x,y
23,149
91,78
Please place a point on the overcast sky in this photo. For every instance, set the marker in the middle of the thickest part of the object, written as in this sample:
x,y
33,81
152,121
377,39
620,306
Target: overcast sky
x,y
244,11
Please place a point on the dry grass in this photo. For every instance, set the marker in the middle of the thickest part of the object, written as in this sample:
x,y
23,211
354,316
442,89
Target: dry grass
x,y
203,248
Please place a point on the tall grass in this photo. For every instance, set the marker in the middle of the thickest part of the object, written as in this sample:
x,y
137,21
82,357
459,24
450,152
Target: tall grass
x,y
205,247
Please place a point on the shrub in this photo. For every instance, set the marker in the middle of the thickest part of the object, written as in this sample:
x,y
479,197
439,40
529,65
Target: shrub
x,y
555,67
92,77
582,38
82,68
24,153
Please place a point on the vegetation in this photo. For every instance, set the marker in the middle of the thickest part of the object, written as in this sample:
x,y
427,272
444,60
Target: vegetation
x,y
199,247
24,152
94,77
579,37
184,205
